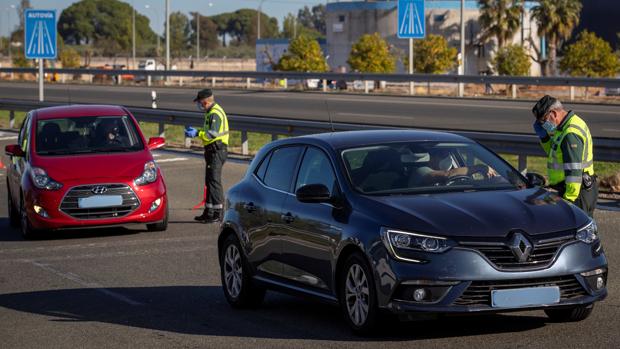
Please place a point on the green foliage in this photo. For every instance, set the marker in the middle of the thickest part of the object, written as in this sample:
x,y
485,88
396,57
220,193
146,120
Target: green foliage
x,y
590,56
179,33
432,55
304,55
500,19
512,60
208,33
69,58
313,19
371,54
19,60
241,26
292,28
106,24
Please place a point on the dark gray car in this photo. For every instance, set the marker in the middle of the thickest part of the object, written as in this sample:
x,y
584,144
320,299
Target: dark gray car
x,y
409,223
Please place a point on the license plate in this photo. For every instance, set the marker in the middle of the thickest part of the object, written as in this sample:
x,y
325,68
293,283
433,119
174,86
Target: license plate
x,y
521,297
98,201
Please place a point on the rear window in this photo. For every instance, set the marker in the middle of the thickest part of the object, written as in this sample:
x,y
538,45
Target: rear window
x,y
81,135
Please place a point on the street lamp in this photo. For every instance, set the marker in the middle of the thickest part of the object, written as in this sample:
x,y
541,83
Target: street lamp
x,y
260,9
133,36
156,16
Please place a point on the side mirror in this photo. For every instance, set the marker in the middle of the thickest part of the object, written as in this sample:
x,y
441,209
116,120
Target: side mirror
x,y
535,179
313,193
14,150
156,143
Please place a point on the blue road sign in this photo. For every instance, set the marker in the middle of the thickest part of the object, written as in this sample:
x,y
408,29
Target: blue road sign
x,y
411,19
40,34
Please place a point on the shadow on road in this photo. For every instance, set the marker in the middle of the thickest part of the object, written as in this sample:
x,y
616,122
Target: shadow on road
x,y
202,310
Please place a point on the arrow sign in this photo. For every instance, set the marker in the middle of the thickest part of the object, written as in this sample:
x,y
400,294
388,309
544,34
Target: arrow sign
x,y
411,19
40,34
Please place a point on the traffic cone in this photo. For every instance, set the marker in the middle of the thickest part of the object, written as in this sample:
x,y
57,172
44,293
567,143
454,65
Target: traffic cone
x,y
203,202
1,165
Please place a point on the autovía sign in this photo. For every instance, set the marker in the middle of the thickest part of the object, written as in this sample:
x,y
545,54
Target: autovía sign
x,y
40,34
411,20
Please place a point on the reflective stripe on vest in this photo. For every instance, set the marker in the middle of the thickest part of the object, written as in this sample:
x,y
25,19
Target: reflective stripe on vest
x,y
555,163
222,131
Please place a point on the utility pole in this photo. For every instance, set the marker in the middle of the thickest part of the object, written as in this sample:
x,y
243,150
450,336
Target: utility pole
x,y
411,84
197,38
167,37
133,36
462,60
260,10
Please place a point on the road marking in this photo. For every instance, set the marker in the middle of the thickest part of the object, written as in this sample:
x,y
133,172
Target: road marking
x,y
611,129
77,279
155,155
171,160
8,138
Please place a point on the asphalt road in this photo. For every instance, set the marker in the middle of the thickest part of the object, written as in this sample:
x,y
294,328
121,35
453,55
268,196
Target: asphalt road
x,y
438,113
130,288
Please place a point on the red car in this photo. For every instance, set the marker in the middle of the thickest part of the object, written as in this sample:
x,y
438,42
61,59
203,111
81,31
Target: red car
x,y
84,166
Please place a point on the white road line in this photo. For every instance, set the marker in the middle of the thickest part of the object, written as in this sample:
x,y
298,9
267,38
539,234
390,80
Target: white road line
x,y
77,279
8,138
155,155
171,160
611,129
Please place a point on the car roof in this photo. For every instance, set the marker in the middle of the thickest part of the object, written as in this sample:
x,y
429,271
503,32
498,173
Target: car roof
x,y
78,110
352,139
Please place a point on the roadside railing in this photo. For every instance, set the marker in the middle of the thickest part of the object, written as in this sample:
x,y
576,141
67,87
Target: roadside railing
x,y
522,145
367,78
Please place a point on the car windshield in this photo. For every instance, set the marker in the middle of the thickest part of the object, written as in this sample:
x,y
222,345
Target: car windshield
x,y
89,134
428,167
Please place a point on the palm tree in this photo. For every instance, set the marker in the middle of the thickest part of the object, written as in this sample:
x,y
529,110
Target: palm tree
x,y
556,20
500,19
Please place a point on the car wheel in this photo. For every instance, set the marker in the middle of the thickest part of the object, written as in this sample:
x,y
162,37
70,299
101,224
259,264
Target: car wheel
x,y
160,226
25,227
13,214
572,314
357,293
237,283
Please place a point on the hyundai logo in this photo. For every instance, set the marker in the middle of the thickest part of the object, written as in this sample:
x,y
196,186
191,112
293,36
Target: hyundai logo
x,y
520,246
99,189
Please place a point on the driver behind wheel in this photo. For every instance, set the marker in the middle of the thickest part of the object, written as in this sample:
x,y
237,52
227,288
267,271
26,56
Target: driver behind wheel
x,y
443,167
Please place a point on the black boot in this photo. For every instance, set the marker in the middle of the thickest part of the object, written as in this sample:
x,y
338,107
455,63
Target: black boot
x,y
214,218
206,215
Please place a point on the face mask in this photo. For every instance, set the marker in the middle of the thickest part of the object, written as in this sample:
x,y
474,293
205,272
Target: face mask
x,y
549,126
445,164
200,106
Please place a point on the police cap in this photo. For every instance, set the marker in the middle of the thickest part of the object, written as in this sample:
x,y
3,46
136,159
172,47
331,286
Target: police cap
x,y
202,94
542,106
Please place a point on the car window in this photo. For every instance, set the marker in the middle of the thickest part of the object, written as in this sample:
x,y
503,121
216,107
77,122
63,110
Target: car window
x,y
281,168
316,169
262,168
24,135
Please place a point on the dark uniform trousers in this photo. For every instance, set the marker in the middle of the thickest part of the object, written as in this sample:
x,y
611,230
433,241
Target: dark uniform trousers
x,y
215,157
588,195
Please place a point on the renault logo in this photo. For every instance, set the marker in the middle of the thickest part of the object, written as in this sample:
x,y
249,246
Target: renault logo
x,y
520,246
99,189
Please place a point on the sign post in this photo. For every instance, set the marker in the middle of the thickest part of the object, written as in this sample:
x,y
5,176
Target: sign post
x,y
40,39
411,25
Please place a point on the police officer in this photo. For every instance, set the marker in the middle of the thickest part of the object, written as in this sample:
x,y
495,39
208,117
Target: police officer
x,y
214,136
566,139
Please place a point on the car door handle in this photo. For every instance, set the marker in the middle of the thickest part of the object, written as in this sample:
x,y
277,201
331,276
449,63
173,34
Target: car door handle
x,y
250,207
288,217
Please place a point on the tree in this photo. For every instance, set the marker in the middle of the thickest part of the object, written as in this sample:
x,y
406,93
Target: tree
x,y
433,55
556,20
304,55
371,54
292,28
69,58
590,56
208,33
106,24
499,19
179,33
512,60
242,26
313,18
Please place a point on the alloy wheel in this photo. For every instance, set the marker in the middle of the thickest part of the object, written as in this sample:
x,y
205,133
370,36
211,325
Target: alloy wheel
x,y
357,295
233,272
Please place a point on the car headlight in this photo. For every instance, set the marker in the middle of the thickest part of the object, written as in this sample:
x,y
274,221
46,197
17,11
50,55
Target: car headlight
x,y
401,240
41,180
588,234
149,175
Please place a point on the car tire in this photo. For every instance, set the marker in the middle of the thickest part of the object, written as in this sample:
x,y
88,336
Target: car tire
x,y
572,314
27,231
237,283
357,295
160,226
13,213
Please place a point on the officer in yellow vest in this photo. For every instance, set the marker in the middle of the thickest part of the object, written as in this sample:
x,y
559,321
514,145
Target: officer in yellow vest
x,y
566,139
214,136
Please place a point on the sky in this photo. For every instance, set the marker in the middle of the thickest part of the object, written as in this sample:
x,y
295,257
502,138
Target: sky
x,y
156,10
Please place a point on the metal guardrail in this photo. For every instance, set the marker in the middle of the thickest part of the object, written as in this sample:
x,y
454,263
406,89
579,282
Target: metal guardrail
x,y
522,145
467,79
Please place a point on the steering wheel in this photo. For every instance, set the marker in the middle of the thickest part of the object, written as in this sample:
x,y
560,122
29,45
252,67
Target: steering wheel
x,y
459,179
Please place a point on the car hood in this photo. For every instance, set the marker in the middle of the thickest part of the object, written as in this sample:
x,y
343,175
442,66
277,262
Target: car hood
x,y
480,214
101,166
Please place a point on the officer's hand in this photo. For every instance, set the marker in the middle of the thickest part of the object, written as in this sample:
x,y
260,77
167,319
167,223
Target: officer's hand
x,y
191,132
540,131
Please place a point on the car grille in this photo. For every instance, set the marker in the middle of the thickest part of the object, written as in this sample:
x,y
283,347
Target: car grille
x,y
501,256
479,292
69,204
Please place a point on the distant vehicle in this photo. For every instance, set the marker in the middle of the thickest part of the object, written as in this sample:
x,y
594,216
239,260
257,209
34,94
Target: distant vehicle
x,y
612,91
409,223
150,65
81,167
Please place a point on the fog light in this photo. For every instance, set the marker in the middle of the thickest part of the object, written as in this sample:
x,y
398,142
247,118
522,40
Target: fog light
x,y
600,282
40,211
155,205
419,294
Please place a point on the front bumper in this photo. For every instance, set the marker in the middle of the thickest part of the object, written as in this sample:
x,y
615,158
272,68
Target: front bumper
x,y
464,279
56,219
